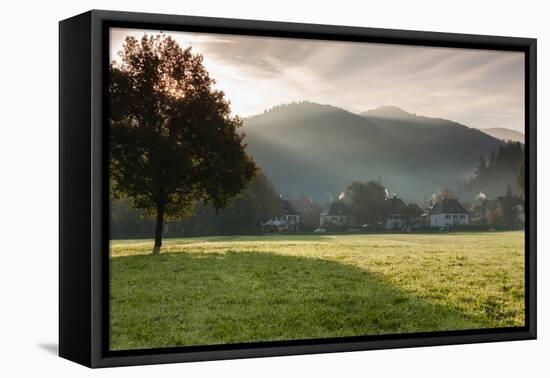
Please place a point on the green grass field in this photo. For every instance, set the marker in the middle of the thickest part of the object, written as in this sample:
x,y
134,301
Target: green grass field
x,y
218,290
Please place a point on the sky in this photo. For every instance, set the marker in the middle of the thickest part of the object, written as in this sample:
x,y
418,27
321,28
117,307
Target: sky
x,y
478,88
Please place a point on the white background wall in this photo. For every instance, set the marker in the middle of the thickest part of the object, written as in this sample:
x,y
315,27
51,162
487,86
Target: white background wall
x,y
28,200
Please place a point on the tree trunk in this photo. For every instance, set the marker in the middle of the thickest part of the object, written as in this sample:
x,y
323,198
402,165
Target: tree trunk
x,y
158,230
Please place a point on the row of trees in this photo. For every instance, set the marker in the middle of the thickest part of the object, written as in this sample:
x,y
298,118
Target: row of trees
x,y
505,212
501,177
504,168
371,204
257,203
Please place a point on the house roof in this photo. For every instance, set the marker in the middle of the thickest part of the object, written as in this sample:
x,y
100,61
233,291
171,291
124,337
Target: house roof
x,y
415,210
305,205
287,207
448,206
396,206
336,208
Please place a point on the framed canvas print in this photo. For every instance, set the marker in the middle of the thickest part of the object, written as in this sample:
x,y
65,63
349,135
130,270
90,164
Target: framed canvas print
x,y
234,188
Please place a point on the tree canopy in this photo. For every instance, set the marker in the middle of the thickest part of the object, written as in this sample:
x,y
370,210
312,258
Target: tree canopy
x,y
173,140
493,176
521,179
367,201
256,204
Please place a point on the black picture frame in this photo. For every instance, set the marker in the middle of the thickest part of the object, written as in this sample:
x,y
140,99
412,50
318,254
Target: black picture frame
x,y
83,204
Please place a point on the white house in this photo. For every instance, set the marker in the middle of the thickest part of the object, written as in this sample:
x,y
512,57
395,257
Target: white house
x,y
289,220
336,214
448,213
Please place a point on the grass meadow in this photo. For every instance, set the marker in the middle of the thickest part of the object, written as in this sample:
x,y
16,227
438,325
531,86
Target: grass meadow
x,y
218,290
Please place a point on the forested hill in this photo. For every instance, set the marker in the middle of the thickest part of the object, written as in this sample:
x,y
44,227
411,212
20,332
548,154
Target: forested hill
x,y
457,145
498,173
316,150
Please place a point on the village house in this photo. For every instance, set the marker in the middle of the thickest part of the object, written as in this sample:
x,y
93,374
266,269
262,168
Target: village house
x,y
481,211
415,215
309,212
425,217
505,211
447,213
402,216
288,221
336,214
397,218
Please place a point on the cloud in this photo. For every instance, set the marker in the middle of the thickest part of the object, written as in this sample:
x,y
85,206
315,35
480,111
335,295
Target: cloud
x,y
479,88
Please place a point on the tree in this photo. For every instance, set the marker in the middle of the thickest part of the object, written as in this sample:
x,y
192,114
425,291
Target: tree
x,y
309,212
258,203
507,214
499,171
481,168
173,140
521,179
127,222
509,192
367,201
492,159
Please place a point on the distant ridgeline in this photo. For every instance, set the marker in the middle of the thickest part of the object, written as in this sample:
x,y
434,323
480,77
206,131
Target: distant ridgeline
x,y
316,150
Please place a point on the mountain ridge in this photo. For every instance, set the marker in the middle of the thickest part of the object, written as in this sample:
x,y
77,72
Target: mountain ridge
x,y
317,150
504,133
387,111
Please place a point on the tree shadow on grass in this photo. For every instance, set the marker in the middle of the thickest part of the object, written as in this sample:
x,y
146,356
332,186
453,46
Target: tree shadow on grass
x,y
183,299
